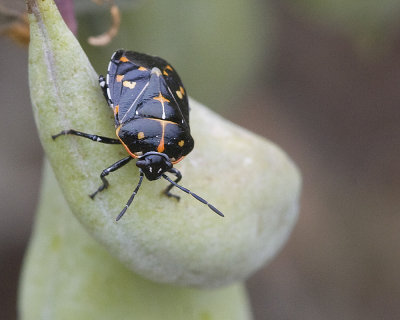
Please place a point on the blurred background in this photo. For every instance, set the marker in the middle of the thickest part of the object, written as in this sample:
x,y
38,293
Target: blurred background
x,y
318,77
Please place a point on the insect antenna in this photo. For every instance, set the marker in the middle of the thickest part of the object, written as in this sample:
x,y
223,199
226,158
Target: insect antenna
x,y
132,197
193,195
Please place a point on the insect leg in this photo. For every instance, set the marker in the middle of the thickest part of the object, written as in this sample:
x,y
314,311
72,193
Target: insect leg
x,y
193,195
106,171
132,197
88,136
167,190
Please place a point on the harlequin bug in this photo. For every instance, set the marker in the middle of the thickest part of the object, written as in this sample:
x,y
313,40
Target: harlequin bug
x,y
151,115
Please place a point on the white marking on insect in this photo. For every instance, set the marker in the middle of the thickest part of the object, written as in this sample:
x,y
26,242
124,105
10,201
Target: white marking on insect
x,y
162,104
151,169
159,170
108,93
156,71
98,139
137,98
180,111
102,84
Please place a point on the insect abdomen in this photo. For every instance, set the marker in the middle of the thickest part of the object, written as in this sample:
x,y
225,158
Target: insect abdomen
x,y
150,134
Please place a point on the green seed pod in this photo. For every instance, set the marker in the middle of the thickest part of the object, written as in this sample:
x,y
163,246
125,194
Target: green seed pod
x,y
69,275
182,243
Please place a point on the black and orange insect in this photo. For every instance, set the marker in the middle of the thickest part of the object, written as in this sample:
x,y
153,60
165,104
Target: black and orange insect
x,y
151,114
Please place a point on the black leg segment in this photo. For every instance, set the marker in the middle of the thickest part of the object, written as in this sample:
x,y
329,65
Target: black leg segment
x,y
106,171
167,190
193,195
132,196
92,137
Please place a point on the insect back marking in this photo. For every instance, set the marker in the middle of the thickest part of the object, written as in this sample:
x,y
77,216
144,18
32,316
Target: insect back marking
x,y
165,72
129,84
160,147
116,109
162,100
180,93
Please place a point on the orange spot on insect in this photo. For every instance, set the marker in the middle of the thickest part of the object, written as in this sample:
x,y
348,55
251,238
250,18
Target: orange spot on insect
x,y
119,77
129,84
180,93
161,98
142,69
160,147
162,122
116,109
123,59
168,67
181,143
140,135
